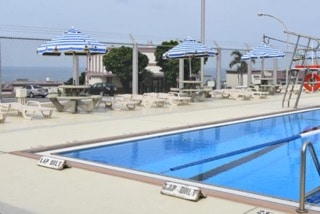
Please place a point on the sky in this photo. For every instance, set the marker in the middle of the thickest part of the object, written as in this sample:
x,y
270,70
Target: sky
x,y
228,23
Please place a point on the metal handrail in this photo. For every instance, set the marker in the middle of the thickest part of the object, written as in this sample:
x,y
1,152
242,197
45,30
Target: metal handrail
x,y
302,196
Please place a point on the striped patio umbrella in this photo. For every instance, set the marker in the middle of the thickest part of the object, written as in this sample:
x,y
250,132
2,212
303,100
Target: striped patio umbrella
x,y
188,49
262,52
312,55
307,58
312,59
307,54
75,43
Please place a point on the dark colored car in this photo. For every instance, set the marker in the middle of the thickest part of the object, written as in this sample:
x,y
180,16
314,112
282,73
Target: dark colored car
x,y
103,88
35,91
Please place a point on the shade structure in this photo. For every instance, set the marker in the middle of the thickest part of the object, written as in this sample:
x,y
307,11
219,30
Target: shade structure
x,y
312,55
263,51
75,43
188,49
307,54
313,59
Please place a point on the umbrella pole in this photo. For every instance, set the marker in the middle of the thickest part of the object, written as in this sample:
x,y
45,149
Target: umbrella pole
x,y
181,73
262,67
75,69
275,71
249,74
201,71
190,73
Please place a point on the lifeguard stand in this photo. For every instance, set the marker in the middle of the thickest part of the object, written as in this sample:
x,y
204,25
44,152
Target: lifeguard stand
x,y
303,74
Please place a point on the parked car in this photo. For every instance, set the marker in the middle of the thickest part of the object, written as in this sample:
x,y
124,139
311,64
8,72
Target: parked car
x,y
35,90
104,88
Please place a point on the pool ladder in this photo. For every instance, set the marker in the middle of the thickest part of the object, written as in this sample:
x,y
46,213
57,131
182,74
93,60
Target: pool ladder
x,y
303,195
308,43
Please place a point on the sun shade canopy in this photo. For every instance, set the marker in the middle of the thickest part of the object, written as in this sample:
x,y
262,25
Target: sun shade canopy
x,y
263,51
72,42
189,48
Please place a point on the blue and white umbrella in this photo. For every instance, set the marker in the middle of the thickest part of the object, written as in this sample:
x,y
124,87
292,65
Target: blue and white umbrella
x,y
263,51
189,48
313,55
309,54
75,43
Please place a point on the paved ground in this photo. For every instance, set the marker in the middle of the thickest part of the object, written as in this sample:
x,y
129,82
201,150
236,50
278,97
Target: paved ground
x,y
28,188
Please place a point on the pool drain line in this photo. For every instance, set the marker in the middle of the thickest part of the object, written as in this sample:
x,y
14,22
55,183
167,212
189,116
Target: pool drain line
x,y
306,133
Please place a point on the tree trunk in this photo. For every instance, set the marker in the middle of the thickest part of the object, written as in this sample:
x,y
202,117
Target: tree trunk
x,y
126,86
241,78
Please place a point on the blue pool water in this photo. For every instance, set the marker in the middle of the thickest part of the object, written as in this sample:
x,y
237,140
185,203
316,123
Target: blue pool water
x,y
272,170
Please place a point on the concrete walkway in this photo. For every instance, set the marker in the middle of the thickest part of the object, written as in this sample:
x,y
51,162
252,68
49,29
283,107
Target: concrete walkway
x,y
27,188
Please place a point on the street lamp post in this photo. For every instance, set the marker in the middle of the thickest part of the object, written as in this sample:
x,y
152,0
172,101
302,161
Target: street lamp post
x,y
134,65
286,30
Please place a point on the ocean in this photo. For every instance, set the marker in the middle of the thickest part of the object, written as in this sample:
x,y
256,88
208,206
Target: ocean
x,y
10,74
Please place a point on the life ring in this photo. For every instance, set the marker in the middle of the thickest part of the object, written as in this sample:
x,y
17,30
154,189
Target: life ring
x,y
307,66
312,82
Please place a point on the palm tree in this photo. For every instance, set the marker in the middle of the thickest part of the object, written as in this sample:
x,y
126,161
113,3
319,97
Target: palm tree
x,y
242,66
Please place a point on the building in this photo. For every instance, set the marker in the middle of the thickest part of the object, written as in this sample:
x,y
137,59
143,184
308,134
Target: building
x,y
233,78
96,72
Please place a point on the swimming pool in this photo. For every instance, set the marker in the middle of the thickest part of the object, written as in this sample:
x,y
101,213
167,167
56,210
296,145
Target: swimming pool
x,y
220,155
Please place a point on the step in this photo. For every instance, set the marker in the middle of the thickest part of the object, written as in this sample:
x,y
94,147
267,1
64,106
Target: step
x,y
314,198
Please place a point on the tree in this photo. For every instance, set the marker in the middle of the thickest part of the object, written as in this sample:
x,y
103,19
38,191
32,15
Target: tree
x,y
146,81
119,61
242,66
170,67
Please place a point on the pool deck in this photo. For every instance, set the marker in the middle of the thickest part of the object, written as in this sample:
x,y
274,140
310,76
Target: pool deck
x,y
28,188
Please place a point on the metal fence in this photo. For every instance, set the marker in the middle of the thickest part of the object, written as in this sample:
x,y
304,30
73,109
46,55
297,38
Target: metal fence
x,y
18,48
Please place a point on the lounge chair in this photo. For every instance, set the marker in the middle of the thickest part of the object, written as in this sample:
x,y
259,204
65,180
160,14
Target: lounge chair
x,y
219,92
137,98
29,109
152,99
176,98
120,102
257,94
4,110
236,94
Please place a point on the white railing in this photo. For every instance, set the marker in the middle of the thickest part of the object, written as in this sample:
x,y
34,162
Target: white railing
x,y
302,195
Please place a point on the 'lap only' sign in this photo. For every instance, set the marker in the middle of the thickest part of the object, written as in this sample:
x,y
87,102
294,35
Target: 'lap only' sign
x,y
50,162
182,191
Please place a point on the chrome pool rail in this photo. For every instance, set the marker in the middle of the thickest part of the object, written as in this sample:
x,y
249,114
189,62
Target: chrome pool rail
x,y
302,195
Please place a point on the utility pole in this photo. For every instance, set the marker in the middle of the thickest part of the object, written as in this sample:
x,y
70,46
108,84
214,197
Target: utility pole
x,y
134,66
0,76
218,67
202,41
249,73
